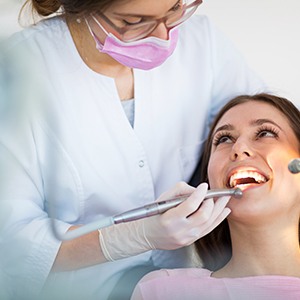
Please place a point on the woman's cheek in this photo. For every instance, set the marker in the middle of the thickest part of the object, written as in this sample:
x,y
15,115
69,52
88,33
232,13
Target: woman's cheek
x,y
212,171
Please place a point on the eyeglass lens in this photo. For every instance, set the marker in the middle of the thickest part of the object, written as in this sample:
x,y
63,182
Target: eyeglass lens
x,y
173,19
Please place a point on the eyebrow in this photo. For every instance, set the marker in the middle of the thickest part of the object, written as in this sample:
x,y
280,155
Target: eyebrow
x,y
224,127
257,122
143,15
263,121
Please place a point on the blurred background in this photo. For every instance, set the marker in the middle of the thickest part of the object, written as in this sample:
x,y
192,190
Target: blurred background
x,y
267,32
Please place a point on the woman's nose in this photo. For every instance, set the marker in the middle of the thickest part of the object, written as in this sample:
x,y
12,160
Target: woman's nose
x,y
240,151
161,32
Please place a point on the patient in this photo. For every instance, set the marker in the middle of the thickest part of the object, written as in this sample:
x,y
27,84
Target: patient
x,y
254,254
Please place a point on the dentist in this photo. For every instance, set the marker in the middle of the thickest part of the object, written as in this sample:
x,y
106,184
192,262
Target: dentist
x,y
108,106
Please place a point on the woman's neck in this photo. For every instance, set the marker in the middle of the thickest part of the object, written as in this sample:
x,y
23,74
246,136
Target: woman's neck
x,y
95,60
99,62
262,252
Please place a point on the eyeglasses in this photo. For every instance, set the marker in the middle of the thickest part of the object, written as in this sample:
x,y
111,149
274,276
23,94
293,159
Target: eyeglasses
x,y
138,31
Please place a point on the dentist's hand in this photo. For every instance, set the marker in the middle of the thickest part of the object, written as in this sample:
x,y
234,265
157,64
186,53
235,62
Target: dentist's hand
x,y
189,221
176,228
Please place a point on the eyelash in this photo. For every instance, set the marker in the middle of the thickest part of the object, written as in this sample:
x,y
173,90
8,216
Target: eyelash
x,y
269,129
221,135
177,6
258,132
132,24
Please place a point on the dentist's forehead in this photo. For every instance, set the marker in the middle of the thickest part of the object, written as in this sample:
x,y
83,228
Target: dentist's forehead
x,y
142,7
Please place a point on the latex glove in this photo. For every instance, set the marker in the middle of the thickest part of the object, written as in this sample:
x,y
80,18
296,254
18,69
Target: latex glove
x,y
186,223
176,228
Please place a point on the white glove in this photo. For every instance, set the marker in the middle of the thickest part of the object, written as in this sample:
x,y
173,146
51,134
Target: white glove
x,y
176,228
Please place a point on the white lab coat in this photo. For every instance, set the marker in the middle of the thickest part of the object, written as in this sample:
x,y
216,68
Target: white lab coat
x,y
80,152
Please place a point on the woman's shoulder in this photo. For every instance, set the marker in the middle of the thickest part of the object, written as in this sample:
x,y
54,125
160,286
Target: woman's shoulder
x,y
169,283
43,32
199,23
198,284
46,44
184,272
199,32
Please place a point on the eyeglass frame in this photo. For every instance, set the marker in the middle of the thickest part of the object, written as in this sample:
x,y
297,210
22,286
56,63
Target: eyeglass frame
x,y
123,30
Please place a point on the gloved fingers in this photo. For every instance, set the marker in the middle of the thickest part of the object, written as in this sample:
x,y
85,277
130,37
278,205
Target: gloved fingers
x,y
189,221
192,203
209,211
181,188
171,230
220,205
221,217
203,214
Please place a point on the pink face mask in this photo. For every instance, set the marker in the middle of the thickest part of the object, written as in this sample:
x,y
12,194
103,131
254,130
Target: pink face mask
x,y
145,54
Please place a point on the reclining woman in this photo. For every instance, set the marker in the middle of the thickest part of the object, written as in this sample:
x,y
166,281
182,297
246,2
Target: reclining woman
x,y
254,253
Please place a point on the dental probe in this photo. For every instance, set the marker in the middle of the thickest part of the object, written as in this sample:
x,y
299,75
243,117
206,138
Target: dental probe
x,y
162,206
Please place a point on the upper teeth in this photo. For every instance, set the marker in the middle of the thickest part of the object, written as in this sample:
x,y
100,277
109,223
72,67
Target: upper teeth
x,y
246,174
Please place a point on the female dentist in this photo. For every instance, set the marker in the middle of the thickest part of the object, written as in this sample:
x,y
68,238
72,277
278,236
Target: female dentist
x,y
109,105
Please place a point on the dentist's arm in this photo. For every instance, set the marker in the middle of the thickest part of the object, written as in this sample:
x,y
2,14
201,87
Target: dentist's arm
x,y
79,253
176,228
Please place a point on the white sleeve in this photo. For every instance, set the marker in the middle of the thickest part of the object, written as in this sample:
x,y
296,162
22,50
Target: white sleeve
x,y
27,245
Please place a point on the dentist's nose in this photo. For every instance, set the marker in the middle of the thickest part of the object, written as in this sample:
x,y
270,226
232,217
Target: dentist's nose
x,y
240,150
161,32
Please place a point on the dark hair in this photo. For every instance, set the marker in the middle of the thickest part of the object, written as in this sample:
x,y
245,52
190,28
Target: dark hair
x,y
72,8
215,248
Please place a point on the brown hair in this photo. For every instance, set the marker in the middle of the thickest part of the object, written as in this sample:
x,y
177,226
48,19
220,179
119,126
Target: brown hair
x,y
215,248
72,8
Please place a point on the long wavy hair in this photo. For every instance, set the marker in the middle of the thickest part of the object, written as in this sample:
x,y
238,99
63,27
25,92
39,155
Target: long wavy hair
x,y
215,249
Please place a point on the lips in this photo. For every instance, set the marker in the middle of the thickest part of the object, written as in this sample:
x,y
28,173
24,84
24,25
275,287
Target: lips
x,y
246,177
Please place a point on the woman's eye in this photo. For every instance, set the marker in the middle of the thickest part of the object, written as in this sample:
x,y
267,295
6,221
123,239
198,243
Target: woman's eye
x,y
133,22
177,6
267,133
222,139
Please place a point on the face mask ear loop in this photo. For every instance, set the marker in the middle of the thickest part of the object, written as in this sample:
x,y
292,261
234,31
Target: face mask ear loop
x,y
99,24
89,27
92,33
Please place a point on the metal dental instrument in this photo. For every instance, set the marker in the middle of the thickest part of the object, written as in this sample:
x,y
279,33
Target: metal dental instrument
x,y
162,206
138,213
294,166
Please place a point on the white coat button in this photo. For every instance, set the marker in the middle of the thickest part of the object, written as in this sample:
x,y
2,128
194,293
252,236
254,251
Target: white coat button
x,y
141,163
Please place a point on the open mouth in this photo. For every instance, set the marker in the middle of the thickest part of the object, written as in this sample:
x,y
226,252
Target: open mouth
x,y
243,178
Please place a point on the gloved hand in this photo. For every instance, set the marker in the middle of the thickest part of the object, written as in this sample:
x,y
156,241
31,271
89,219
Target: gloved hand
x,y
176,228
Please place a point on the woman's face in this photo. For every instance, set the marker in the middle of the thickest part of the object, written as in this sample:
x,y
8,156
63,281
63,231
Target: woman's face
x,y
252,146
